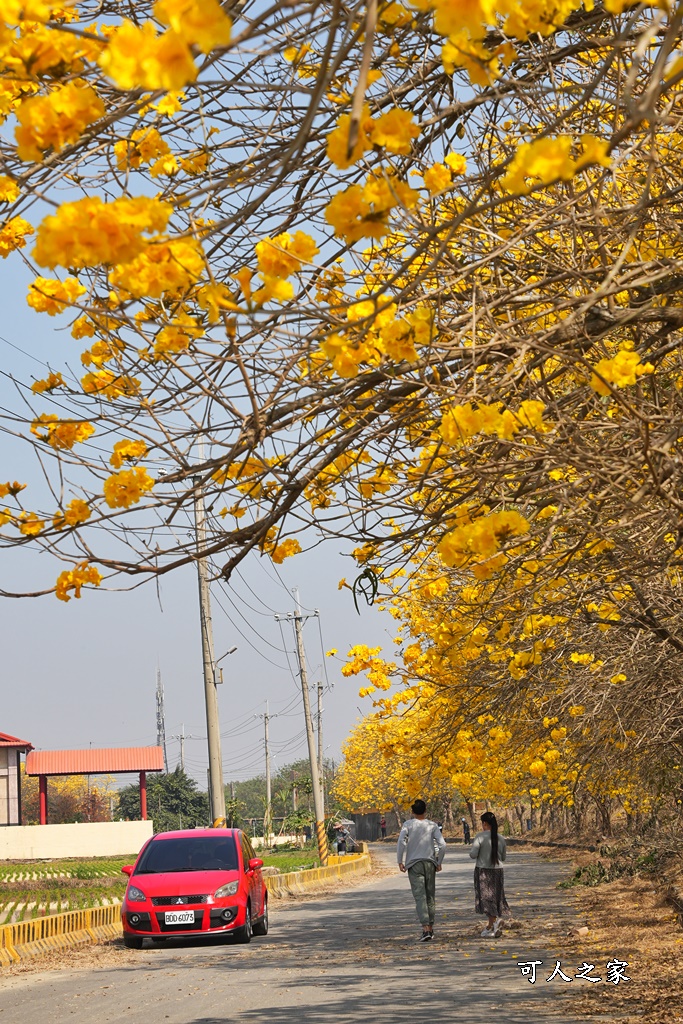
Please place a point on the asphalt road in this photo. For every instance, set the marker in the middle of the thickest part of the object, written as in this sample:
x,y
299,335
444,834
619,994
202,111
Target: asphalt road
x,y
349,955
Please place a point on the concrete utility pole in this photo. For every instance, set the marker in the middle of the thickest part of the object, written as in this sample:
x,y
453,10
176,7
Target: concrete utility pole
x,y
268,817
312,754
213,732
321,770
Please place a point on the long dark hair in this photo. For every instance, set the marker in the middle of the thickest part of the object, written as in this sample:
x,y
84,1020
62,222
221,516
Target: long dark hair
x,y
490,819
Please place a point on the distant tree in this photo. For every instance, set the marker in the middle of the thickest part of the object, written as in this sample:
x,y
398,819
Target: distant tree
x,y
292,777
234,812
251,795
173,801
71,798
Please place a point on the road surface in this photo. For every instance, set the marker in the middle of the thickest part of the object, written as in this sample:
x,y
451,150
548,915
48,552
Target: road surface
x,y
348,956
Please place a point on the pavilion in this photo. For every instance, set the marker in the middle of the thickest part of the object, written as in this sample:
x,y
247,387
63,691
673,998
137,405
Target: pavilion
x,y
112,761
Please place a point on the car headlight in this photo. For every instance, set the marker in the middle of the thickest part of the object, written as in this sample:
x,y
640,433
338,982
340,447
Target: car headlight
x,y
135,895
227,890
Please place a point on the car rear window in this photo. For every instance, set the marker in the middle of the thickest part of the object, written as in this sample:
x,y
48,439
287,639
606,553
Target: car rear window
x,y
201,853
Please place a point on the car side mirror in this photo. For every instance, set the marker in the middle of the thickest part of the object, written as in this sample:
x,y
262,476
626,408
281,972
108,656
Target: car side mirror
x,y
127,869
255,863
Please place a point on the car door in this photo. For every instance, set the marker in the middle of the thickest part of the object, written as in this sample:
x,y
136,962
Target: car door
x,y
253,878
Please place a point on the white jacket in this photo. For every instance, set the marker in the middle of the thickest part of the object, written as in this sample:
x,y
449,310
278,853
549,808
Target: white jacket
x,y
420,839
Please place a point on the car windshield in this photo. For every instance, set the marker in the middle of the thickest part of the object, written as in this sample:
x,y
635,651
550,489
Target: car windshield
x,y
200,853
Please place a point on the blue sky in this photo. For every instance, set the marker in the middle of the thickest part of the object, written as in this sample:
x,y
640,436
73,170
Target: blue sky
x,y
85,672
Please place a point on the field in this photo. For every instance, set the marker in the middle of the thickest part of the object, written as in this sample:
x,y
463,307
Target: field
x,y
36,888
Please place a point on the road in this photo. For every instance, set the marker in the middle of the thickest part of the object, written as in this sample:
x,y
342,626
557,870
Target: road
x,y
349,955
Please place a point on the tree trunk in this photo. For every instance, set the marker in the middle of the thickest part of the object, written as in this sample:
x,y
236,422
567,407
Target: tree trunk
x,y
519,811
448,820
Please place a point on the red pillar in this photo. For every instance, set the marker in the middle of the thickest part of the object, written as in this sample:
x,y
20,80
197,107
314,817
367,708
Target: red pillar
x,y
42,785
143,795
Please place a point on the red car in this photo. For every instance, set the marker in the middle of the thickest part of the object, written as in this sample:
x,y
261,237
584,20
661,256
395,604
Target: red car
x,y
196,882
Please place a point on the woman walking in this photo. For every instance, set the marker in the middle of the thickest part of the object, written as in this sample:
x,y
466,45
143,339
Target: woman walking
x,y
488,849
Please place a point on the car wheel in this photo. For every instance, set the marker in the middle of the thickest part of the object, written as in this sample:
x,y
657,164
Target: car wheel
x,y
132,942
261,927
244,933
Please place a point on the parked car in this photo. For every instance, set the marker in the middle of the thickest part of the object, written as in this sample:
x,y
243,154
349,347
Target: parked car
x,y
194,883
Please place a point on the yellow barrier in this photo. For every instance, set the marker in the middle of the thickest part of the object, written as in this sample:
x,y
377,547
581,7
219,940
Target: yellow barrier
x,y
58,931
99,924
298,881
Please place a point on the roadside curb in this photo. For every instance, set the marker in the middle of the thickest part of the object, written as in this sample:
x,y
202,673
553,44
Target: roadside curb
x,y
28,939
294,882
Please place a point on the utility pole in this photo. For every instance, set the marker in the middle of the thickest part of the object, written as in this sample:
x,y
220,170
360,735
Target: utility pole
x,y
161,719
213,732
312,754
181,737
321,767
267,820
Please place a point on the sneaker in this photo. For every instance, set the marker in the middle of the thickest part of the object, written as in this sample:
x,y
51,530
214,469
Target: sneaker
x,y
426,937
488,933
498,927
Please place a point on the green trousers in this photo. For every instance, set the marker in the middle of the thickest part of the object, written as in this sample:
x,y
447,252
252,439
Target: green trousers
x,y
422,877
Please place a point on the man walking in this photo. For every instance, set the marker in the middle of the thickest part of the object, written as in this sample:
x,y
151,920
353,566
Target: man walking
x,y
420,851
465,832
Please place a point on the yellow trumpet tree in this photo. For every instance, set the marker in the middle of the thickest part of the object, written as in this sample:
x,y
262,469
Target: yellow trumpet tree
x,y
404,273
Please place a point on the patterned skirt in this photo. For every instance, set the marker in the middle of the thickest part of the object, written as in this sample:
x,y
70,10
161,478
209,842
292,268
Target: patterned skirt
x,y
489,893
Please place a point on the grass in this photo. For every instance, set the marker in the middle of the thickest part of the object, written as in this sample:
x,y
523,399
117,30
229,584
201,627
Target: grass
x,y
29,890
291,860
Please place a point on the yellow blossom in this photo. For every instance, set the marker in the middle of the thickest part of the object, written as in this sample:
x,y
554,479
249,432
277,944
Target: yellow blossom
x,y
286,549
76,512
50,383
55,120
140,58
74,579
89,231
9,190
457,163
338,139
30,524
202,22
395,130
13,235
127,451
126,488
622,371
283,255
61,434
47,295
437,178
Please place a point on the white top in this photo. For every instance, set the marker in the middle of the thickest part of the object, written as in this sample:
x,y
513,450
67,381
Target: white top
x,y
480,850
420,839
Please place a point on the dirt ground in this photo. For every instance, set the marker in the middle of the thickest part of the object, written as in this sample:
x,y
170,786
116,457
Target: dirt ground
x,y
628,919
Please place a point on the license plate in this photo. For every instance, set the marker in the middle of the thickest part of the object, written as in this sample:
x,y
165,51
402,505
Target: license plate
x,y
179,917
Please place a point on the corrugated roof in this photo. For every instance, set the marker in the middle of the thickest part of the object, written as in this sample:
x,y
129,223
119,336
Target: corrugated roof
x,y
11,741
95,762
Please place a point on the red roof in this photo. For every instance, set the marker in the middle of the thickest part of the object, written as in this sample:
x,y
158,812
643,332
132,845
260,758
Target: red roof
x,y
95,762
12,741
